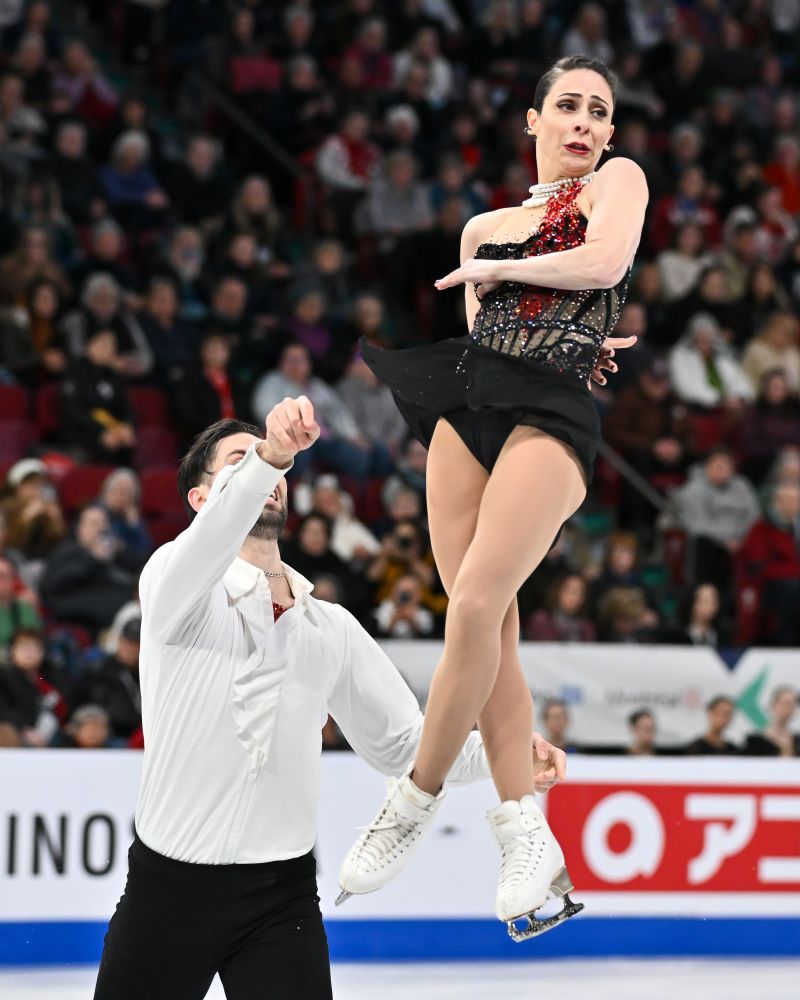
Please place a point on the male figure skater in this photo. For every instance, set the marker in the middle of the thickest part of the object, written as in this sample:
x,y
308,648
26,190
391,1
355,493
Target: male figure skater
x,y
239,668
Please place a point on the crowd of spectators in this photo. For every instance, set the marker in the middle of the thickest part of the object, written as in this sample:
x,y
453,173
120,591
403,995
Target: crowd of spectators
x,y
159,271
776,738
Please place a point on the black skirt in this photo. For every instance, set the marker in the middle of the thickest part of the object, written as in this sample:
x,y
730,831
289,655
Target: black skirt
x,y
458,375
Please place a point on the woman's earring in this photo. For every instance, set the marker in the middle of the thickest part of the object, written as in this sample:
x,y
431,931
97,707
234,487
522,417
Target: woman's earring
x,y
609,147
529,131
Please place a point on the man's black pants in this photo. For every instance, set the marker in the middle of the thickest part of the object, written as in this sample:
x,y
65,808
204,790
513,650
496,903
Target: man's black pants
x,y
177,924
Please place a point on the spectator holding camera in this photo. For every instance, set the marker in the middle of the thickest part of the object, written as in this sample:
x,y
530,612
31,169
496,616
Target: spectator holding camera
x,y
401,615
403,552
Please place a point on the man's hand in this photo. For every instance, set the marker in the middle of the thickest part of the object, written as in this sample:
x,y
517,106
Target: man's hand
x,y
549,764
291,427
610,346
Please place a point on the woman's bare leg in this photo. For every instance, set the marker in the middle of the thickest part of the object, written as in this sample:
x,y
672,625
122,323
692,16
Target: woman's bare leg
x,y
535,486
506,721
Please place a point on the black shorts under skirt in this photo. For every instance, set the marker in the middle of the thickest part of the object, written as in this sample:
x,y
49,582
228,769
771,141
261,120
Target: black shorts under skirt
x,y
484,395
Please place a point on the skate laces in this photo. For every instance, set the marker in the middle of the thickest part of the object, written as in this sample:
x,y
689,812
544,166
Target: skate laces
x,y
384,835
520,854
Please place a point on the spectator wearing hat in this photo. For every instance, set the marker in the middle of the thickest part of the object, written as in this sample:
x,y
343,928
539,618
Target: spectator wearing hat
x,y
719,713
96,412
89,578
740,255
27,701
17,607
776,739
35,524
113,684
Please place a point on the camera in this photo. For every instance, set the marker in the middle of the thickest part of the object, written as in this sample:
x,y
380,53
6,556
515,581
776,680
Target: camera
x,y
404,541
404,597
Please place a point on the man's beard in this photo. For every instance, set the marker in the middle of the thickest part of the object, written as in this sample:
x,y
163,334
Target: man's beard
x,y
270,523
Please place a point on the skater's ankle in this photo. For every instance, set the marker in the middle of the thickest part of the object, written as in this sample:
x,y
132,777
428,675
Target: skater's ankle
x,y
419,782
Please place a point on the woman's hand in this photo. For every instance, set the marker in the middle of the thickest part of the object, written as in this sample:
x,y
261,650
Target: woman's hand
x,y
473,269
549,764
610,346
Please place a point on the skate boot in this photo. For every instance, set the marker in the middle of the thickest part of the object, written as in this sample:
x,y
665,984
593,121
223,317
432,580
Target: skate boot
x,y
531,867
385,846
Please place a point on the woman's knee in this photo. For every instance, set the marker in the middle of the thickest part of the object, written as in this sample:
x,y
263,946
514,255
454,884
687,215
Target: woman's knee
x,y
473,611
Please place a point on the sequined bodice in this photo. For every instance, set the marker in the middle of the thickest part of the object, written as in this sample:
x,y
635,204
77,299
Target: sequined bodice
x,y
563,329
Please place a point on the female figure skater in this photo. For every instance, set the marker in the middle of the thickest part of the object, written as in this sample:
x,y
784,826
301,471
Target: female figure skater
x,y
512,430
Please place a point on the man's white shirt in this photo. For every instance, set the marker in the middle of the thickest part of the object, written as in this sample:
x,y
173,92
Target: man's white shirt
x,y
233,703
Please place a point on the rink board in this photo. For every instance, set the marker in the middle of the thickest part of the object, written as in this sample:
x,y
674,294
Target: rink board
x,y
671,857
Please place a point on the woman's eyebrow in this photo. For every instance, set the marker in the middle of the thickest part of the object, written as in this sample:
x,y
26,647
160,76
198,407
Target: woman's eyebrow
x,y
595,97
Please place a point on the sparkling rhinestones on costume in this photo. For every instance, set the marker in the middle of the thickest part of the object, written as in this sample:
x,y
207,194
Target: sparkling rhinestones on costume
x,y
560,328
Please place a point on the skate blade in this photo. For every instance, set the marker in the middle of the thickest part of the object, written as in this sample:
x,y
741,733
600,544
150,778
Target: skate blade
x,y
536,926
343,896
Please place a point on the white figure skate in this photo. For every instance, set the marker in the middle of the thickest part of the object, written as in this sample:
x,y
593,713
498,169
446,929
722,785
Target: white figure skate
x,y
531,867
385,846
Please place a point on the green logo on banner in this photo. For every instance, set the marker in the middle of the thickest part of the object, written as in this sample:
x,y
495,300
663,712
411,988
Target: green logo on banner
x,y
748,700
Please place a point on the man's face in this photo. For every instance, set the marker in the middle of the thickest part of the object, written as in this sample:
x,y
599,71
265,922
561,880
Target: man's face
x,y
719,717
231,450
644,730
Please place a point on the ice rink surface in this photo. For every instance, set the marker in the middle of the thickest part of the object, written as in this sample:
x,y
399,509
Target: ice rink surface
x,y
609,979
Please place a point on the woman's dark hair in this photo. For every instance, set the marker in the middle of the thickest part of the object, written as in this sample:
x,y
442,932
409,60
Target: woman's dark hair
x,y
196,463
314,515
564,65
640,713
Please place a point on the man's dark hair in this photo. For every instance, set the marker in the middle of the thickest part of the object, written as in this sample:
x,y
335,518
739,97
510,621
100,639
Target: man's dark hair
x,y
196,463
640,713
718,700
564,65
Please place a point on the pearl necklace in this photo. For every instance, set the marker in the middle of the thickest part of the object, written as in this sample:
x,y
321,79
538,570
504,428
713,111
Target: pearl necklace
x,y
542,193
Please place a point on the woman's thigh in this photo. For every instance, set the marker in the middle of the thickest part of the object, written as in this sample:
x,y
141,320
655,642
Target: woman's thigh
x,y
455,482
535,486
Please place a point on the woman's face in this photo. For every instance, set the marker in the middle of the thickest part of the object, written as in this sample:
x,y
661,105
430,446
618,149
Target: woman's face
x,y
763,283
255,196
776,391
103,304
706,603
690,240
783,707
576,113
44,303
36,247
313,538
571,595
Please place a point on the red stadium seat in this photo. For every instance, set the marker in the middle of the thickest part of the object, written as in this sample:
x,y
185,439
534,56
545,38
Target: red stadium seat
x,y
16,439
14,403
82,485
164,527
150,406
160,492
48,411
156,446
